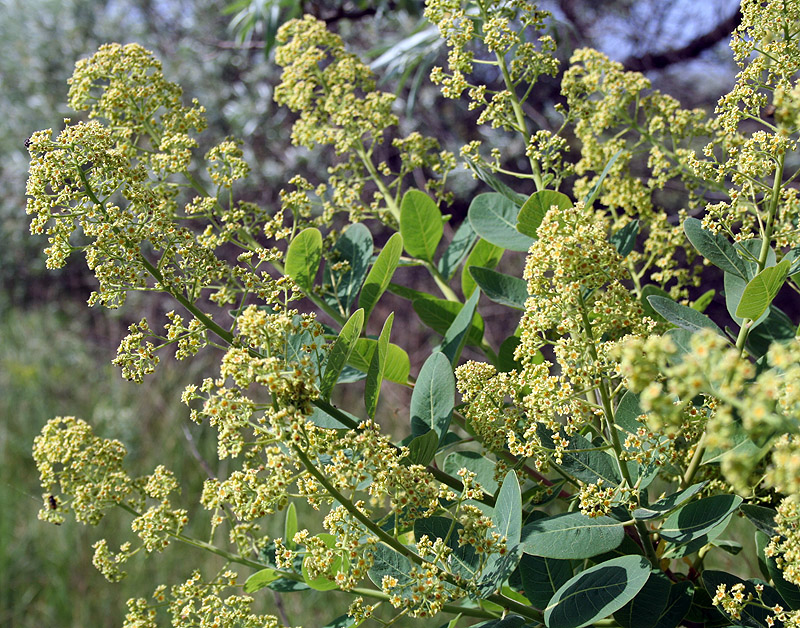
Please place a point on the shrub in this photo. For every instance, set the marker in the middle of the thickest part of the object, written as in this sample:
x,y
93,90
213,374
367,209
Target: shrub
x,y
595,458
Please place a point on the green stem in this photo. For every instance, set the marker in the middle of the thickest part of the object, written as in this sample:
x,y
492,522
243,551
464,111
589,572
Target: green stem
x,y
766,240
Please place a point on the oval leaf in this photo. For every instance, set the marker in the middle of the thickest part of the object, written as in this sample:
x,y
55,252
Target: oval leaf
x,y
439,314
501,288
660,604
420,225
703,517
597,592
303,257
398,365
494,218
682,316
260,579
486,255
761,290
715,247
542,577
538,204
571,535
433,399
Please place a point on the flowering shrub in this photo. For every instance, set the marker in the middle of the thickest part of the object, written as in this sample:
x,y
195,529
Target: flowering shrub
x,y
594,460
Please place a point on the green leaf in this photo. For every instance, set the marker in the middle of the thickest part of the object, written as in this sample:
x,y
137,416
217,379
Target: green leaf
x,y
625,239
761,290
660,604
303,257
702,518
482,467
459,246
465,560
628,412
648,291
433,399
439,314
343,621
290,526
260,579
456,335
597,592
670,502
488,177
776,327
682,316
494,218
505,356
420,225
761,517
589,199
542,577
589,466
388,562
509,621
753,614
325,582
340,352
486,255
355,247
702,302
397,366
750,250
571,535
501,288
422,449
508,510
380,274
715,247
377,366
538,204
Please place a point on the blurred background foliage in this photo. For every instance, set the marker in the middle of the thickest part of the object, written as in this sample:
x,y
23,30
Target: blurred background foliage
x,y
54,353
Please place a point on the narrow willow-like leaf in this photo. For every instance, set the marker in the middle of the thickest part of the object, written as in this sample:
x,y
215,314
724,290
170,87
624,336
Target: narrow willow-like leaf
x,y
660,604
494,218
668,503
682,316
260,579
598,592
340,352
290,526
433,399
380,274
439,314
538,204
589,199
303,257
715,247
501,288
761,290
398,365
704,517
542,577
761,517
486,255
571,535
463,240
377,365
456,335
625,239
420,225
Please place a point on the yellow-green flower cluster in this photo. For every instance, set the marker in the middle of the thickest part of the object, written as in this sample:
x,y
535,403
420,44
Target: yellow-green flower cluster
x,y
81,471
198,603
331,89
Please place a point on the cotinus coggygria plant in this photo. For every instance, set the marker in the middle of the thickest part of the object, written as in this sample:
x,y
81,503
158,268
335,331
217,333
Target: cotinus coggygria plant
x,y
582,473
